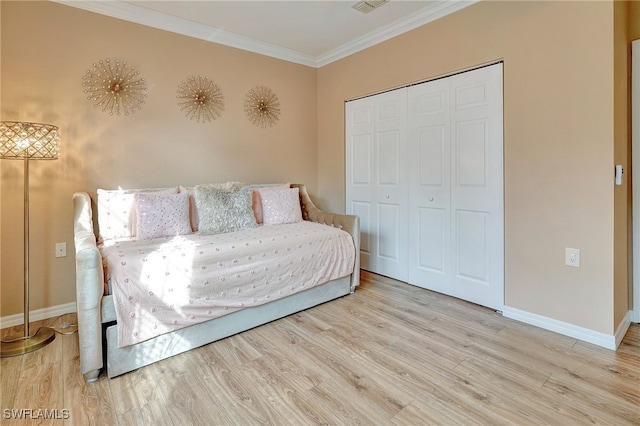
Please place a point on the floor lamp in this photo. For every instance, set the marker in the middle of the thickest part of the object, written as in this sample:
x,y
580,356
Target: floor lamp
x,y
27,141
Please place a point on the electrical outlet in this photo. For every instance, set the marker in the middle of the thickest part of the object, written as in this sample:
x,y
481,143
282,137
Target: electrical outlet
x,y
572,257
61,249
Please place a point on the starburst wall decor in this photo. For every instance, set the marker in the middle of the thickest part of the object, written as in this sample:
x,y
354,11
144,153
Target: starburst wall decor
x,y
200,98
115,87
262,107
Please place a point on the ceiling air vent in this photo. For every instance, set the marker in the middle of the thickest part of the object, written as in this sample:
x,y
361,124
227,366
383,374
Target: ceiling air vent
x,y
369,5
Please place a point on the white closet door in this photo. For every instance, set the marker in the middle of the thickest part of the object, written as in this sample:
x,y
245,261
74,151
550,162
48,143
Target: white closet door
x,y
425,175
377,179
391,184
477,205
456,220
360,183
430,185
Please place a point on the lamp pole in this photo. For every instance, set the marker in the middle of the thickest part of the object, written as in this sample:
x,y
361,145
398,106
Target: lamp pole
x,y
26,247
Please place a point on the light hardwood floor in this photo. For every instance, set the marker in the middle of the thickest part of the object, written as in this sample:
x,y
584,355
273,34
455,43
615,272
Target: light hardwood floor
x,y
390,354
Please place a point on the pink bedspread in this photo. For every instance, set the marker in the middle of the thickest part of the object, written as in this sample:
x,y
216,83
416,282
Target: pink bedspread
x,y
165,284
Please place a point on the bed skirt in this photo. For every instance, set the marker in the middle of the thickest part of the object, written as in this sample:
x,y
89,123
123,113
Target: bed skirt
x,y
129,358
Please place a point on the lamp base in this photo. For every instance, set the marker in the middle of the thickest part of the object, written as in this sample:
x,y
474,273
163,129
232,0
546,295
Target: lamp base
x,y
19,345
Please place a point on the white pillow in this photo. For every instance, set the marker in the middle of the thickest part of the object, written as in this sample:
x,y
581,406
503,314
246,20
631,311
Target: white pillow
x,y
116,211
161,215
223,211
280,206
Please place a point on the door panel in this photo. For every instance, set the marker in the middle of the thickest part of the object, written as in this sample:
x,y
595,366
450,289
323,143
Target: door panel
x,y
429,186
388,159
376,179
477,187
361,160
431,143
432,231
471,239
388,241
471,153
360,184
391,183
455,198
363,209
469,93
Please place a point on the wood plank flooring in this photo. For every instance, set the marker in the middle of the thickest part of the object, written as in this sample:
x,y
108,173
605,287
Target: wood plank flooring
x,y
390,354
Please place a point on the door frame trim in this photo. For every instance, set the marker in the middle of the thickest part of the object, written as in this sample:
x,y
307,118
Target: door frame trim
x,y
635,177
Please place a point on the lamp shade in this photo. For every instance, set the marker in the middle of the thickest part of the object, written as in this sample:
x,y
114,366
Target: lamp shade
x,y
22,140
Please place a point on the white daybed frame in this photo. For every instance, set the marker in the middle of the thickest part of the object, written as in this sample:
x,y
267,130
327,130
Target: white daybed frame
x,y
96,310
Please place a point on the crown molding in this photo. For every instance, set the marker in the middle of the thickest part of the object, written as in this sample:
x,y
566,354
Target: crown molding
x,y
434,11
139,15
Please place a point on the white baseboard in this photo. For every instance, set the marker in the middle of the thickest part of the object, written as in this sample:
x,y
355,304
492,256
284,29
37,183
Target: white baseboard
x,y
623,327
580,333
38,314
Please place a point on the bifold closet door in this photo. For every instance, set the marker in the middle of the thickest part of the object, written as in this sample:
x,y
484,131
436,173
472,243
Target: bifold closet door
x,y
424,171
376,184
456,211
430,185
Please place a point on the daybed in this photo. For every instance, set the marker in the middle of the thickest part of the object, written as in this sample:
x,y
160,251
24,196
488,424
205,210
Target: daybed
x,y
104,288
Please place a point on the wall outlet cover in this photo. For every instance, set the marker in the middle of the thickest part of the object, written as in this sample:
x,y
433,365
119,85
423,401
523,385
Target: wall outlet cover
x,y
572,257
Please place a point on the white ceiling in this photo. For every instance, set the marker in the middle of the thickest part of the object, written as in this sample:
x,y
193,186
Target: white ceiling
x,y
312,33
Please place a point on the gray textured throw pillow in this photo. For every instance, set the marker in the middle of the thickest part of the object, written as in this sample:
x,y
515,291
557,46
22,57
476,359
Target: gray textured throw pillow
x,y
223,211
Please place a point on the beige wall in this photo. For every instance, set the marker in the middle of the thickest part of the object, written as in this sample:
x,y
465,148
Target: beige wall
x,y
559,88
46,49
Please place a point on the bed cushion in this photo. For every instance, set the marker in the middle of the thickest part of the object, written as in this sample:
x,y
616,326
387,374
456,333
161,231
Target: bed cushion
x,y
161,215
223,211
280,206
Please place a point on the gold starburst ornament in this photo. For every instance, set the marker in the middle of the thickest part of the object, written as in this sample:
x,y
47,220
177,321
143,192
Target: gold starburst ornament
x,y
262,107
200,99
115,87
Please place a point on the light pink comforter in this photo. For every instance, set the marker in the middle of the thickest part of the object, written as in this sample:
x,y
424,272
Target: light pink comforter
x,y
165,284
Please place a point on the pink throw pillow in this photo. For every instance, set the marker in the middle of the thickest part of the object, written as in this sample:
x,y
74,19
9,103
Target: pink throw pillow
x,y
161,215
280,206
257,202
